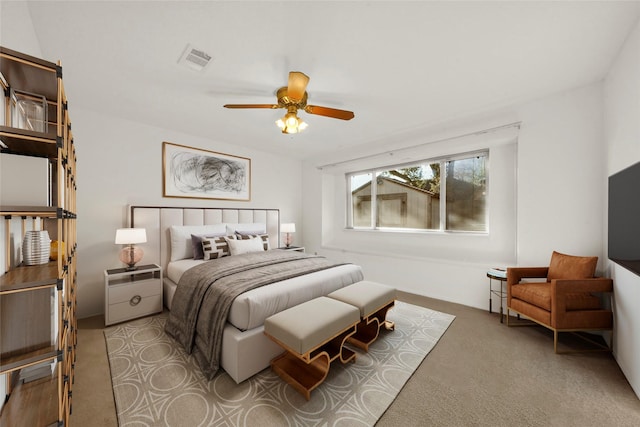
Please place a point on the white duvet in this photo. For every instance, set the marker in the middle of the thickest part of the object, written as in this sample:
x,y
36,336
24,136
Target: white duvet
x,y
250,309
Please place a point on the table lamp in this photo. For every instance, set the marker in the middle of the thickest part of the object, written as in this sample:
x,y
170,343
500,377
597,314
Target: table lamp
x,y
131,254
288,229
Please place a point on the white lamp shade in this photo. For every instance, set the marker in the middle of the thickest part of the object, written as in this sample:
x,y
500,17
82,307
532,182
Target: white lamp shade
x,y
130,236
288,228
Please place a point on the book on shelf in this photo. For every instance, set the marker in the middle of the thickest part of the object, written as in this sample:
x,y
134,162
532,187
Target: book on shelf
x,y
498,272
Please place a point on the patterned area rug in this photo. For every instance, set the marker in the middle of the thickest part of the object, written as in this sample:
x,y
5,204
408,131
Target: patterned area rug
x,y
155,383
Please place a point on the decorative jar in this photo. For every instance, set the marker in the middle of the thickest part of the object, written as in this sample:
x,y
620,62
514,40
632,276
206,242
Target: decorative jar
x,y
36,247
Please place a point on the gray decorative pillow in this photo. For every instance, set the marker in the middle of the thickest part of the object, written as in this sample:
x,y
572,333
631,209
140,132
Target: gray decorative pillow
x,y
247,228
181,247
215,248
265,238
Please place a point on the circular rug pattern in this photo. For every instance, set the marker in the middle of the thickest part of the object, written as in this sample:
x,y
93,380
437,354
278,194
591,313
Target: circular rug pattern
x,y
155,383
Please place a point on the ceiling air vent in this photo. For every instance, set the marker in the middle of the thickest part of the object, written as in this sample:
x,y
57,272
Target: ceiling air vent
x,y
195,59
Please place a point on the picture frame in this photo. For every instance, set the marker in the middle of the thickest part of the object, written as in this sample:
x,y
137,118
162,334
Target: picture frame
x,y
190,172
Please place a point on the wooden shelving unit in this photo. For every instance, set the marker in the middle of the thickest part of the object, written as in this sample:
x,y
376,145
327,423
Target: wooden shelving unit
x,y
38,333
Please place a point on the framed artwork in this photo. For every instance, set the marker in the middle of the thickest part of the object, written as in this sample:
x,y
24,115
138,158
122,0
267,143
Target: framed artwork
x,y
203,174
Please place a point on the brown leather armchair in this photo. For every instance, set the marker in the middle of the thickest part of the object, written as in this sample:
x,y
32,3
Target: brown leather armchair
x,y
564,301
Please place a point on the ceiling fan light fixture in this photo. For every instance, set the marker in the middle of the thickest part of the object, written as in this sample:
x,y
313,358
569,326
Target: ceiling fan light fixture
x,y
291,120
291,123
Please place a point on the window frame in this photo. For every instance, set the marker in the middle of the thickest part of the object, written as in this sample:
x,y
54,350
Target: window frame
x,y
442,160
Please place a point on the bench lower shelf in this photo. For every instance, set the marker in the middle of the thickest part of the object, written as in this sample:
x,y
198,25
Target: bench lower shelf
x,y
368,329
305,372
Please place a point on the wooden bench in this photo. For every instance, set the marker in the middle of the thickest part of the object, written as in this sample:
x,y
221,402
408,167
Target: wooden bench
x,y
313,334
373,300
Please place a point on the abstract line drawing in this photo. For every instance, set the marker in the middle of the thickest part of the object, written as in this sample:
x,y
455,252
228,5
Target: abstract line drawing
x,y
197,173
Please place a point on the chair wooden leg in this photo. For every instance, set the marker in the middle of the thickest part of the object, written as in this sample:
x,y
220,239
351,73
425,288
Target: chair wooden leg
x,y
555,341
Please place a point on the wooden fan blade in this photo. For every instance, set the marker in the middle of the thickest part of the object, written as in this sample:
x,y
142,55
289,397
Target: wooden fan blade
x,y
297,85
252,106
329,112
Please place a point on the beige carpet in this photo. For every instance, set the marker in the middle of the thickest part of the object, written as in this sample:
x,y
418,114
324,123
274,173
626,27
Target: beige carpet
x,y
156,383
481,373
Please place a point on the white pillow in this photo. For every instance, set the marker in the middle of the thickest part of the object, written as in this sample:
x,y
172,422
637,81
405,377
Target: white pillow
x,y
239,247
247,228
181,247
264,237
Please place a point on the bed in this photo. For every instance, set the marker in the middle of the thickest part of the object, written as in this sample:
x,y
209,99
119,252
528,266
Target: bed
x,y
245,349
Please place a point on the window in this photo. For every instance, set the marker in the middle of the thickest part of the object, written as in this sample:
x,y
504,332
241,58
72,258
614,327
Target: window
x,y
411,196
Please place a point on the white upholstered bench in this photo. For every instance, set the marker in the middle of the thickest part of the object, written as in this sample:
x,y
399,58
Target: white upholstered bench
x,y
313,334
374,300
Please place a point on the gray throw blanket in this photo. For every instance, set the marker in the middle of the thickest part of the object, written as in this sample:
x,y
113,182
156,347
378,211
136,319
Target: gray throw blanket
x,y
205,293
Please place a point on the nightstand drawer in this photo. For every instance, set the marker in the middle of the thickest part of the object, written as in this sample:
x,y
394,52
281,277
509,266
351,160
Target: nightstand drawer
x,y
124,293
132,293
134,307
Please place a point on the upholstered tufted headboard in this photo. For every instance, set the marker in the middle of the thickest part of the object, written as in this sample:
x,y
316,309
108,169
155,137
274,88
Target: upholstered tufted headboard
x,y
157,220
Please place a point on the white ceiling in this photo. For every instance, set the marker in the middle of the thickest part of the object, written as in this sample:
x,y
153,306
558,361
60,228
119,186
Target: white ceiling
x,y
399,66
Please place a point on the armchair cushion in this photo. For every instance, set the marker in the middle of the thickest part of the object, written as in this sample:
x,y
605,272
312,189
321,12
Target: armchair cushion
x,y
571,267
539,294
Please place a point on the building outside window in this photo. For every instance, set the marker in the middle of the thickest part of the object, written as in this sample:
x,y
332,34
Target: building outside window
x,y
410,196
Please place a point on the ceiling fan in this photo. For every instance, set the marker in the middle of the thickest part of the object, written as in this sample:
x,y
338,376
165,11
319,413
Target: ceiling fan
x,y
293,97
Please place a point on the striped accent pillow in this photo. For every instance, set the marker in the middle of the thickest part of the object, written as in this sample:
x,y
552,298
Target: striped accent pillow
x,y
264,237
215,248
196,243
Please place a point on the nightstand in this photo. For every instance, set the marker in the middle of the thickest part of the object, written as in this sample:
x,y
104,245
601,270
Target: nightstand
x,y
292,248
129,294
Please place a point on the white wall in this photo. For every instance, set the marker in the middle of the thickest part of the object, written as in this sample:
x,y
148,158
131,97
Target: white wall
x,y
120,164
431,263
559,207
561,177
622,138
16,29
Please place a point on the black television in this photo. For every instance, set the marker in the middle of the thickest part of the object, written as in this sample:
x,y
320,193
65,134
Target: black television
x,y
624,218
